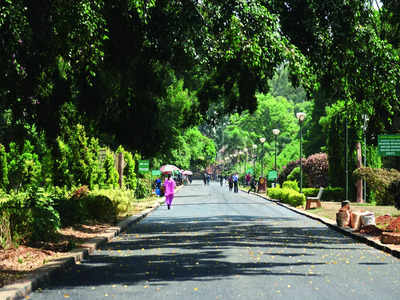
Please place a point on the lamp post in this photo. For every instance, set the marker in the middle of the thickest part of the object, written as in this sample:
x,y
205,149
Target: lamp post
x,y
262,140
275,133
364,127
300,116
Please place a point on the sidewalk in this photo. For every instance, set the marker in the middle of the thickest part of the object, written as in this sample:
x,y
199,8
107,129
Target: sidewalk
x,y
24,287
367,239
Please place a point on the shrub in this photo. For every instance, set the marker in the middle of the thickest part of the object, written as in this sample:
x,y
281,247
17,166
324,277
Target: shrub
x,y
379,180
310,192
296,199
143,188
71,205
111,178
106,204
333,194
316,168
288,169
295,175
45,218
274,193
23,167
76,162
291,185
101,208
3,169
31,215
394,189
285,194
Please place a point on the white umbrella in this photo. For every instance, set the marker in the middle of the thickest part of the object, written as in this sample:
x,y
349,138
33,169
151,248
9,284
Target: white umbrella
x,y
187,172
168,169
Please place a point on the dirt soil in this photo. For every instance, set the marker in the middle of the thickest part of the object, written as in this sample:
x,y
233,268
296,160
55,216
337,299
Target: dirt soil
x,y
394,225
18,262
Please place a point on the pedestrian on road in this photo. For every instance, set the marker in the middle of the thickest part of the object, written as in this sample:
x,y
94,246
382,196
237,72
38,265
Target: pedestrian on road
x,y
252,185
230,182
236,183
205,178
221,180
169,185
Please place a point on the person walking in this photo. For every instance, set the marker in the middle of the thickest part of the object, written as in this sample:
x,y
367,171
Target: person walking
x,y
221,180
230,182
169,185
252,185
235,183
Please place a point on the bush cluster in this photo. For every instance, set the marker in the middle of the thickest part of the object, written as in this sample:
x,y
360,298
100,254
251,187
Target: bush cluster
x,y
287,195
315,171
43,187
291,185
316,168
380,180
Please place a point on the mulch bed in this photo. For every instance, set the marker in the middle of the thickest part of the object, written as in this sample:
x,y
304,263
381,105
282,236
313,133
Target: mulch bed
x,y
371,230
388,223
17,262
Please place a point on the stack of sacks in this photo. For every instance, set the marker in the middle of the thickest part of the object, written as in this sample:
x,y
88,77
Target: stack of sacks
x,y
359,219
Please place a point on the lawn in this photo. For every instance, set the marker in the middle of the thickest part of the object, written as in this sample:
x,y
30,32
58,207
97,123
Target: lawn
x,y
329,209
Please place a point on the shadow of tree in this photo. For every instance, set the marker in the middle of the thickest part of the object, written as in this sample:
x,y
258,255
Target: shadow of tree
x,y
180,249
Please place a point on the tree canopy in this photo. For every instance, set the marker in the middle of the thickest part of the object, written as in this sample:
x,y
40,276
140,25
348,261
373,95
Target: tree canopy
x,y
117,61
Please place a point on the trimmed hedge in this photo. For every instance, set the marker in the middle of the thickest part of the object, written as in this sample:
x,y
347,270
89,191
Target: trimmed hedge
x,y
291,185
334,194
287,195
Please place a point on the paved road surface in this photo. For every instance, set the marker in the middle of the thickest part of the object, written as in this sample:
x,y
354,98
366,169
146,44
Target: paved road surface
x,y
214,244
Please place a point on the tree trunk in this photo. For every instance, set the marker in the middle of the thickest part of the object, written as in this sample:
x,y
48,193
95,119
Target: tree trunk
x,y
120,168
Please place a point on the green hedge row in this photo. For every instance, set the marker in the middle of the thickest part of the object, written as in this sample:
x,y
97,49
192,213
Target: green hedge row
x,y
36,215
287,195
334,194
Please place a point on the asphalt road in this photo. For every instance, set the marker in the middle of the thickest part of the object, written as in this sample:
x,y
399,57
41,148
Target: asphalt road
x,y
214,244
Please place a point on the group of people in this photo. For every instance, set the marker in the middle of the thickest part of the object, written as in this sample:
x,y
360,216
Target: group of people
x,y
233,182
206,179
166,189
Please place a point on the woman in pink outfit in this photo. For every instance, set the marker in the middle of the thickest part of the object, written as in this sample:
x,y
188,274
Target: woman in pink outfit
x,y
169,185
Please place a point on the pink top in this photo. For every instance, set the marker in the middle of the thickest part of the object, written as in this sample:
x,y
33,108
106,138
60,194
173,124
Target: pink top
x,y
169,186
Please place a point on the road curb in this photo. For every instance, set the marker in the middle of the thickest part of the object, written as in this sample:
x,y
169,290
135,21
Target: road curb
x,y
332,224
24,287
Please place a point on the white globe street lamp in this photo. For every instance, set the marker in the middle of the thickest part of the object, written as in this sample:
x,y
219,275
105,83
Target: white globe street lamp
x,y
262,140
301,116
275,133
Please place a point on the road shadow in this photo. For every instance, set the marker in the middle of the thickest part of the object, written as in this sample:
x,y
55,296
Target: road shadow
x,y
179,249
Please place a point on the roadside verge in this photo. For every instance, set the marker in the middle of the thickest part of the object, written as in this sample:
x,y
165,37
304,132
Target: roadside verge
x,y
25,286
367,239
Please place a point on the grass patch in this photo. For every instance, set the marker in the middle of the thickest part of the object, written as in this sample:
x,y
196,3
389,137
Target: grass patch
x,y
329,209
